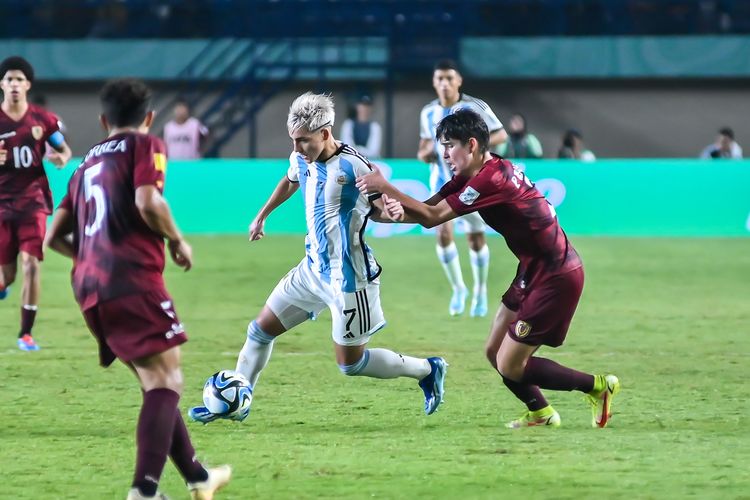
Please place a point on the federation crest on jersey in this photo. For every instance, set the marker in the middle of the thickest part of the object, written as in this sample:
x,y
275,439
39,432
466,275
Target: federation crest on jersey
x,y
468,196
342,179
37,132
522,329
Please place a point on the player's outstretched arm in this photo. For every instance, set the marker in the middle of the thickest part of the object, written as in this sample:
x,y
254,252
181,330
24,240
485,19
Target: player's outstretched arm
x,y
386,209
284,190
430,214
58,236
156,213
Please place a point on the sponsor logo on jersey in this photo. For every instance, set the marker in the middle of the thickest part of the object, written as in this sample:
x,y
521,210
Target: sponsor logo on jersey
x,y
522,329
37,132
12,133
469,196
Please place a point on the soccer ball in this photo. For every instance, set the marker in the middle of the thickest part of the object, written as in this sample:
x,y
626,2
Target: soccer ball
x,y
229,394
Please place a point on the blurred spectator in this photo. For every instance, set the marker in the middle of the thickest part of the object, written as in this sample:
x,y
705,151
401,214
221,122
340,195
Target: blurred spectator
x,y
573,148
184,135
724,147
362,132
112,20
520,143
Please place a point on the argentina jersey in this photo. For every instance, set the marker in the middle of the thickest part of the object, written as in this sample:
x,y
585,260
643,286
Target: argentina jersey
x,y
429,118
336,214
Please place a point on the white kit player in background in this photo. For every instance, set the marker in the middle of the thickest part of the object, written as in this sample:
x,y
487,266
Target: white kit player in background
x,y
447,83
339,270
184,135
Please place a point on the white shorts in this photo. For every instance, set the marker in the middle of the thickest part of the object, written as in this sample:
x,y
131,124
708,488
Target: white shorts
x,y
301,295
471,223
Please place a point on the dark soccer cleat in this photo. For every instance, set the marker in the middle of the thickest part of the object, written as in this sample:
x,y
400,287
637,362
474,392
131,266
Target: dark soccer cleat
x,y
432,384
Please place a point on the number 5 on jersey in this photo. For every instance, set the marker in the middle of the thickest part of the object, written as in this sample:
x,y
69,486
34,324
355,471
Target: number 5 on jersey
x,y
95,191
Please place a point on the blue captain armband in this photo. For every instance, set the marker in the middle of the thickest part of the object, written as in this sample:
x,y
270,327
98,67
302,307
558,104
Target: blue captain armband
x,y
56,140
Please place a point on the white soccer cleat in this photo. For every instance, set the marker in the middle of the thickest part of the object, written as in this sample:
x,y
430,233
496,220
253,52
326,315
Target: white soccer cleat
x,y
135,494
218,477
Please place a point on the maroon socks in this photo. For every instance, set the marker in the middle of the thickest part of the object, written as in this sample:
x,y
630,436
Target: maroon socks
x,y
547,374
154,438
530,395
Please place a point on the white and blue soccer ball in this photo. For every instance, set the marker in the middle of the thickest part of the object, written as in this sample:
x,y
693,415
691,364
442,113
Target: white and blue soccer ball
x,y
229,394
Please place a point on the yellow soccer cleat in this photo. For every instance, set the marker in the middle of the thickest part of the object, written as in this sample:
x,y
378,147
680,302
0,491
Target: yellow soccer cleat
x,y
606,388
547,416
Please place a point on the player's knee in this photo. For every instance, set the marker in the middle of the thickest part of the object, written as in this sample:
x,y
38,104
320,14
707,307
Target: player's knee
x,y
444,237
356,368
476,241
256,334
162,379
490,351
509,370
30,267
173,380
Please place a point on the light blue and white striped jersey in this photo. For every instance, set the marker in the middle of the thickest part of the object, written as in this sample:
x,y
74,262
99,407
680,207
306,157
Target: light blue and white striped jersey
x,y
428,121
336,214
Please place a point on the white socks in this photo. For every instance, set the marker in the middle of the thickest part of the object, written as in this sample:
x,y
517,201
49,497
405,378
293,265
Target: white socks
x,y
480,267
382,363
448,257
255,353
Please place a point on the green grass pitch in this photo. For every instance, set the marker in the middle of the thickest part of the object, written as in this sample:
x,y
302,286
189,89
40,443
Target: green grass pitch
x,y
671,317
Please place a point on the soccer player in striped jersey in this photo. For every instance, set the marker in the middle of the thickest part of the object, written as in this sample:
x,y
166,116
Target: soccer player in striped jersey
x,y
339,270
447,81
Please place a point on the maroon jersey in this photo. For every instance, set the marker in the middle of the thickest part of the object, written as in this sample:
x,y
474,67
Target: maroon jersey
x,y
24,189
510,204
117,253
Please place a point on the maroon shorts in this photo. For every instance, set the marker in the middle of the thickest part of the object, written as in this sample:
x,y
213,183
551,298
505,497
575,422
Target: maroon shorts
x,y
135,326
24,234
545,308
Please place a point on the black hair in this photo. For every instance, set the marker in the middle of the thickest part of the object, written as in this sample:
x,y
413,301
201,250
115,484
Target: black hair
x,y
183,101
17,63
569,136
125,102
523,118
727,132
446,64
463,125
